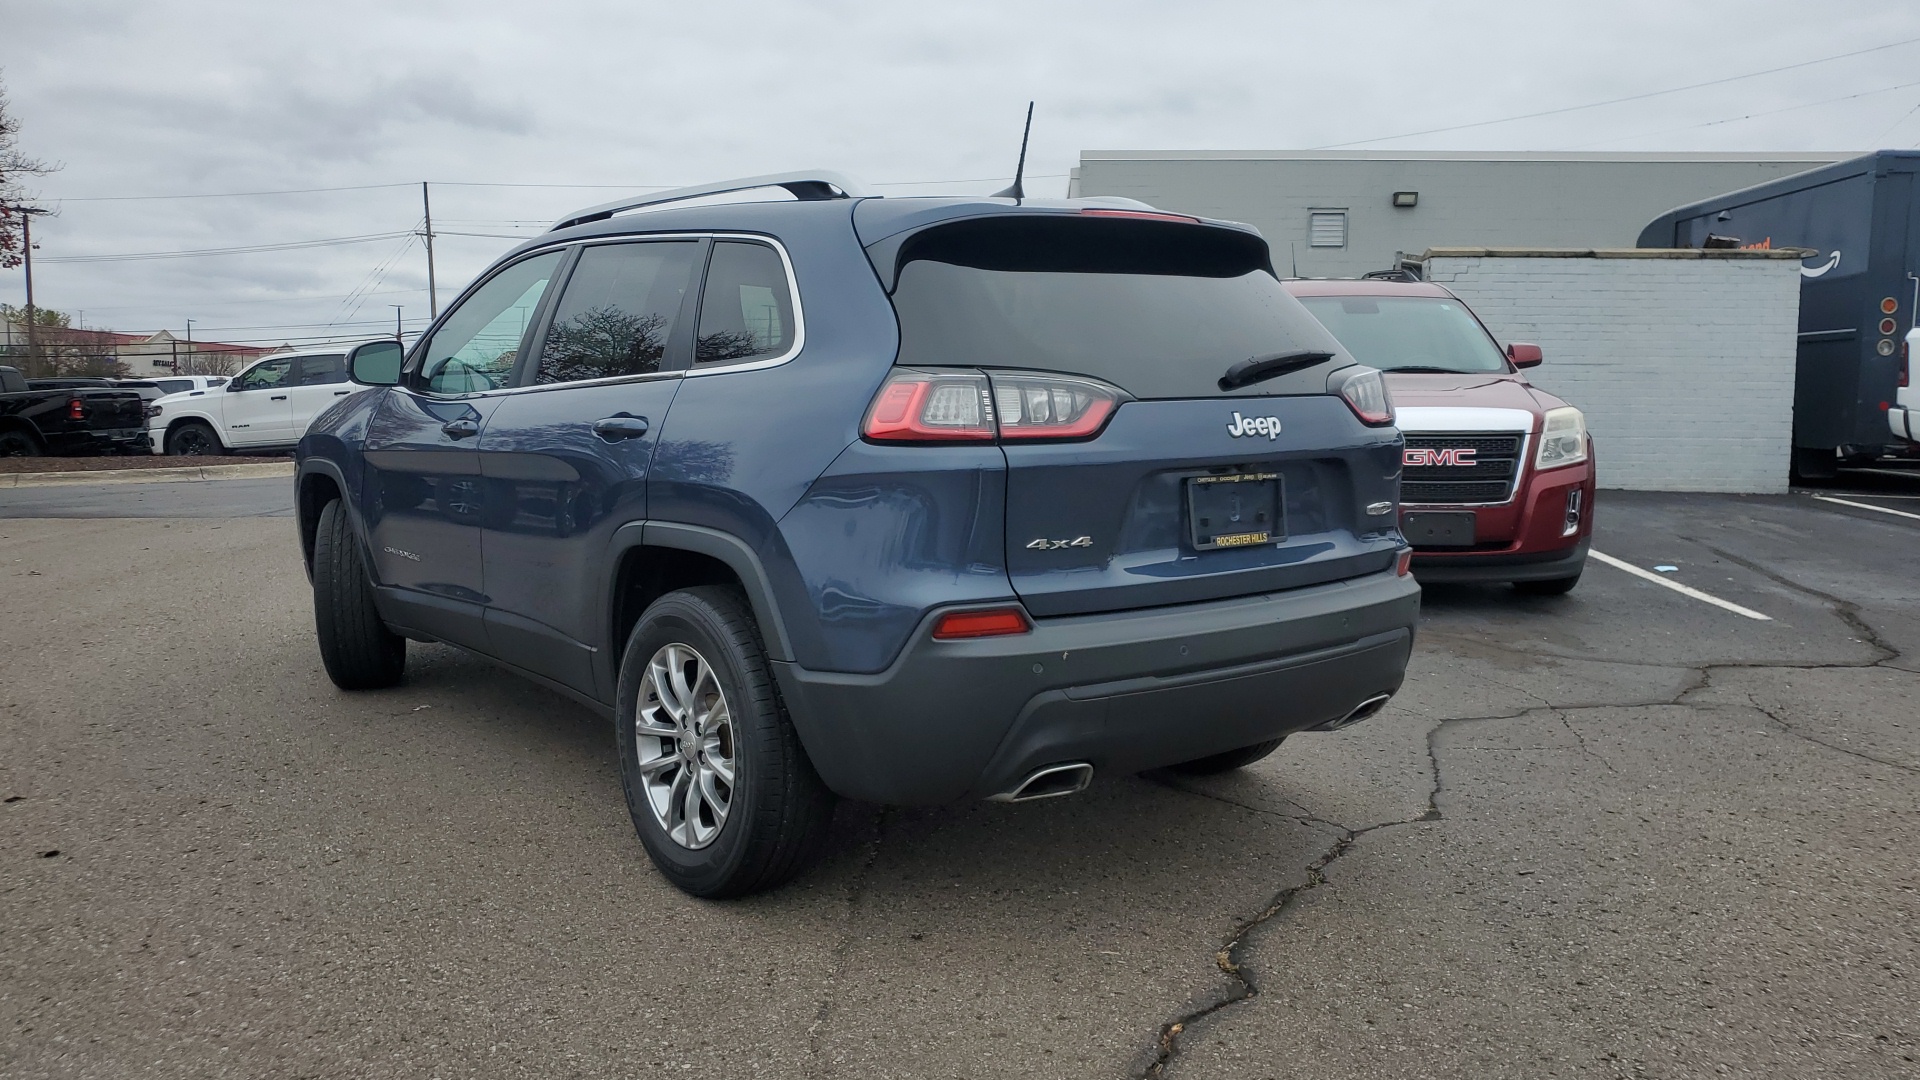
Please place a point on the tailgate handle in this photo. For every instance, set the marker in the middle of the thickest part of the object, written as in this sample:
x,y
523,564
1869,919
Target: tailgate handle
x,y
1256,368
622,426
464,428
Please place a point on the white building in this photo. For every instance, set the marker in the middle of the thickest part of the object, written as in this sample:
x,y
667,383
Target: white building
x,y
1342,213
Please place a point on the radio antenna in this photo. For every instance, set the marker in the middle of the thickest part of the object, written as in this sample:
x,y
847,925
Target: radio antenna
x,y
1018,191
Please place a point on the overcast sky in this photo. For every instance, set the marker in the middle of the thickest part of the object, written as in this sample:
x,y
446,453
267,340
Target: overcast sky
x,y
173,97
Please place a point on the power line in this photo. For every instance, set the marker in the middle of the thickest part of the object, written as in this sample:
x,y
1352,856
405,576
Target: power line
x,y
1769,112
302,325
293,245
226,194
267,300
1896,124
1618,100
486,184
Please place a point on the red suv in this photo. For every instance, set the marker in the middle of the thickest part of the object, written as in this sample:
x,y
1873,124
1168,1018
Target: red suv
x,y
1498,478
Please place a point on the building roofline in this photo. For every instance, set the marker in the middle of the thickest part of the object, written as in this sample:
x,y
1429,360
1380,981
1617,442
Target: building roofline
x,y
1794,253
1458,155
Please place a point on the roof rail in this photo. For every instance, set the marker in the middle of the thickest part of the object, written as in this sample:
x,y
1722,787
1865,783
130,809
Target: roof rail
x,y
805,186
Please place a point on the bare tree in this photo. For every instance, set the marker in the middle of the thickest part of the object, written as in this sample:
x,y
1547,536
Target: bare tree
x,y
14,165
65,350
209,363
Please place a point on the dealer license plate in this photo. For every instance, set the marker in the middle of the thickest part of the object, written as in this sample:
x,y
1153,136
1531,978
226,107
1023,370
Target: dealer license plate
x,y
1239,510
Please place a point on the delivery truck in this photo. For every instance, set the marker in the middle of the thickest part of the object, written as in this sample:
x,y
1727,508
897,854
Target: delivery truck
x,y
1859,221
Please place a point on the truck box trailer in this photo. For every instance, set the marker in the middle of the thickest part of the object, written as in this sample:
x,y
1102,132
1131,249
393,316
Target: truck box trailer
x,y
1860,218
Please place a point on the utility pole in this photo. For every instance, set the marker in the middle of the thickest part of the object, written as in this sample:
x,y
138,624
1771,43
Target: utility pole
x,y
26,252
396,324
190,364
433,295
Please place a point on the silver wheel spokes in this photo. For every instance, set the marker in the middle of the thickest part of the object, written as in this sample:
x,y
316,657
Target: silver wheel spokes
x,y
683,735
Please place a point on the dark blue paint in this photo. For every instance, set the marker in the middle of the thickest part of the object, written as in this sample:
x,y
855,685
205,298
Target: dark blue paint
x,y
421,498
557,490
853,544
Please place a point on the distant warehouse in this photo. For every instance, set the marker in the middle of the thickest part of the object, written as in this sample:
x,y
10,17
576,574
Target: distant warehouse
x,y
1342,213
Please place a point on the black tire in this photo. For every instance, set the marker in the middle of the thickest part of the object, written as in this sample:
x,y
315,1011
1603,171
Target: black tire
x,y
1559,586
359,652
194,439
775,822
1228,761
17,443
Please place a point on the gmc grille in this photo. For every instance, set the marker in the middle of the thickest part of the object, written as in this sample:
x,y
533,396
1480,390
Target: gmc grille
x,y
1489,479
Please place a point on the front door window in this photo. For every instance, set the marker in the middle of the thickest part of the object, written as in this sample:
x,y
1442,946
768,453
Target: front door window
x,y
475,348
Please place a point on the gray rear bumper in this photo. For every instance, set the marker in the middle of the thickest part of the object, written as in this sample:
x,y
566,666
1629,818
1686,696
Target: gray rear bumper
x,y
1126,691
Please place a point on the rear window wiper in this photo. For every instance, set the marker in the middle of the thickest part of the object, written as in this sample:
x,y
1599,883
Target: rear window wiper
x,y
1256,368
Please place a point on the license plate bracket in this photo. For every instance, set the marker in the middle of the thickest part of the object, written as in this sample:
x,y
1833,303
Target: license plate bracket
x,y
1438,529
1236,510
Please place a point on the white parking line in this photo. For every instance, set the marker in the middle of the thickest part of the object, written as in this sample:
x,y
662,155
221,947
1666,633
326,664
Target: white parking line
x,y
1867,506
1679,588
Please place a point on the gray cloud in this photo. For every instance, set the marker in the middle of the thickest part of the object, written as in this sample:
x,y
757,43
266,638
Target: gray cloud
x,y
159,96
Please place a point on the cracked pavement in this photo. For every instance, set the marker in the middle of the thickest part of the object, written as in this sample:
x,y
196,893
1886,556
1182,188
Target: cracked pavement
x,y
1619,834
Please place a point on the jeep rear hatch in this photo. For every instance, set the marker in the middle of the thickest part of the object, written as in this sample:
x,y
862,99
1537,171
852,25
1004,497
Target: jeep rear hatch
x,y
1164,407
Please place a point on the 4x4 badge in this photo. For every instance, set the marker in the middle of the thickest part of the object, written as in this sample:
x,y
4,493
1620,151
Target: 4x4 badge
x,y
1044,544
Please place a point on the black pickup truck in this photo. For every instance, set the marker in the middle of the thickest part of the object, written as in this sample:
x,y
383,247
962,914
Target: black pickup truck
x,y
69,420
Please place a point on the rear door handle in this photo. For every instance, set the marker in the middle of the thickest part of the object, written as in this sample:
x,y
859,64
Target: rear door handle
x,y
341,393
278,397
463,428
616,428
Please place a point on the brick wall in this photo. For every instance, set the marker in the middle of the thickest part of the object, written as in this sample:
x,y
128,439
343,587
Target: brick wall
x,y
1683,365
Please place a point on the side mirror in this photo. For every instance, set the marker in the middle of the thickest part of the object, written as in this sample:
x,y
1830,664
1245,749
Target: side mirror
x,y
1524,355
376,363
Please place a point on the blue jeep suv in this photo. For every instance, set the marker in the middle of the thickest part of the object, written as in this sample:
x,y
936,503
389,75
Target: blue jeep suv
x,y
904,500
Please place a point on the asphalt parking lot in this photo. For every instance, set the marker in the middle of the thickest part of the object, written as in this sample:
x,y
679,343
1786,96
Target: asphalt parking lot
x,y
1628,832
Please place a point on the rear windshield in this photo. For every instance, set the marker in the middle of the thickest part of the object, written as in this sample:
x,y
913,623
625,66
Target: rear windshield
x,y
1409,333
1159,309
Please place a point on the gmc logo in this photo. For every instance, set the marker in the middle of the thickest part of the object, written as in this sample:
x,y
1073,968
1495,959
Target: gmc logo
x,y
1452,456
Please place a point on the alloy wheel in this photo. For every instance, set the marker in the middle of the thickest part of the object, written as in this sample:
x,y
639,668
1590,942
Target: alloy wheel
x,y
684,742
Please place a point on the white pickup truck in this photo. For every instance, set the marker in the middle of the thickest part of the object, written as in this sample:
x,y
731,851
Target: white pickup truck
x,y
1904,415
266,407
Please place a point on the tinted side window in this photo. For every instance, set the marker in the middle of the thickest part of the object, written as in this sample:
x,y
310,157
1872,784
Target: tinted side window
x,y
260,376
616,317
746,312
174,386
474,349
315,370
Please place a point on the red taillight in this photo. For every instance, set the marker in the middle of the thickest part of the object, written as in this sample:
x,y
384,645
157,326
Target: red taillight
x,y
998,622
1141,215
1403,565
1365,392
925,406
917,406
76,410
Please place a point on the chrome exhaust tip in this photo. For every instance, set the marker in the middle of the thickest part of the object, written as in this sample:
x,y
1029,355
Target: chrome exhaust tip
x,y
1049,782
1360,712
